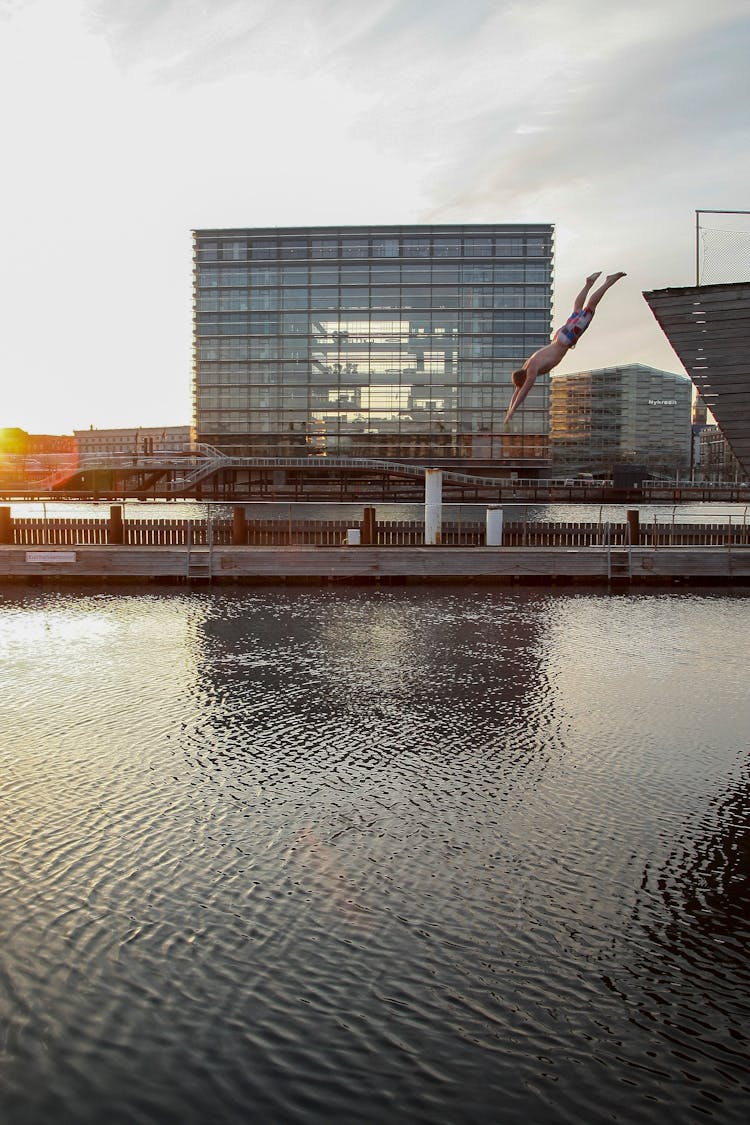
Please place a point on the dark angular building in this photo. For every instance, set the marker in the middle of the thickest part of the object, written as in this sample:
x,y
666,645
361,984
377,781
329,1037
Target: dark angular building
x,y
383,342
709,328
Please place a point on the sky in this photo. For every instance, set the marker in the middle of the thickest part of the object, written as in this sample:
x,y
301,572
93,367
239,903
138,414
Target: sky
x,y
129,123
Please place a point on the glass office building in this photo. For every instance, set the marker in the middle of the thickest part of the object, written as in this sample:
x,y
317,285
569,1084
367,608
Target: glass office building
x,y
384,342
615,415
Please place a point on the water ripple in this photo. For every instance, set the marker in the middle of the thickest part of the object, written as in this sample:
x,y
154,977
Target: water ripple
x,y
410,855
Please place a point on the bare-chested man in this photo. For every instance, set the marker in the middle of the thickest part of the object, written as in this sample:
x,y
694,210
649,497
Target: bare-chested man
x,y
563,340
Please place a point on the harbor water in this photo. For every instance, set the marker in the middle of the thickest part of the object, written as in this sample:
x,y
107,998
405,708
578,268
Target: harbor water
x,y
364,855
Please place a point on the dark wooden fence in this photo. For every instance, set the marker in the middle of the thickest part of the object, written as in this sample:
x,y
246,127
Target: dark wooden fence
x,y
39,532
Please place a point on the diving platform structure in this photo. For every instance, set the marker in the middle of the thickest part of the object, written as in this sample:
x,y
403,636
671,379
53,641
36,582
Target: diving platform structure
x,y
708,327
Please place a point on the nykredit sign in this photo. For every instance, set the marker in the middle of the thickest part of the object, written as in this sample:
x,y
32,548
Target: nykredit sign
x,y
662,402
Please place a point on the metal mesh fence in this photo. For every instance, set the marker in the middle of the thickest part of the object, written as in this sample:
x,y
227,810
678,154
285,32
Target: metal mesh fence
x,y
723,247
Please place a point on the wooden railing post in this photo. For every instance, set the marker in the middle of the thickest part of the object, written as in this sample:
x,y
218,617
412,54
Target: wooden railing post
x,y
633,518
368,527
115,532
6,526
239,526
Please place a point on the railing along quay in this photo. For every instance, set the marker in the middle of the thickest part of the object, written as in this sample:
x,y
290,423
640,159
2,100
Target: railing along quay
x,y
71,532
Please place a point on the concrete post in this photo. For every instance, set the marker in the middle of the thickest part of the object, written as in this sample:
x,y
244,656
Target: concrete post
x,y
634,527
6,526
494,526
239,526
115,532
433,511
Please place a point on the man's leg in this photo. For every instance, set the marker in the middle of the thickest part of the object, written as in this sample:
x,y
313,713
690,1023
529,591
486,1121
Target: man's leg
x,y
597,295
580,299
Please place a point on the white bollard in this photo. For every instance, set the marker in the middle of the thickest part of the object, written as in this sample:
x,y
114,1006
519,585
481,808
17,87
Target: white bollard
x,y
433,510
494,526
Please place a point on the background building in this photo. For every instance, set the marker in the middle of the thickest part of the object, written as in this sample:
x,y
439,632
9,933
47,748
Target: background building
x,y
33,460
387,342
631,413
715,460
133,441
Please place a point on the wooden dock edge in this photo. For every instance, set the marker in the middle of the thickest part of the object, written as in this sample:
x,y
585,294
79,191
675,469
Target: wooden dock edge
x,y
425,564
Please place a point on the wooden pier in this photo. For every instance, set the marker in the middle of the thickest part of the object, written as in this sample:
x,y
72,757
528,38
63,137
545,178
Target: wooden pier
x,y
330,564
240,550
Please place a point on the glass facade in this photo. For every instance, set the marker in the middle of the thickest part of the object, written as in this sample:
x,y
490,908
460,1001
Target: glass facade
x,y
618,414
381,342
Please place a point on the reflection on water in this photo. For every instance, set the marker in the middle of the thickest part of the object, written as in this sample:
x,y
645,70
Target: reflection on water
x,y
365,855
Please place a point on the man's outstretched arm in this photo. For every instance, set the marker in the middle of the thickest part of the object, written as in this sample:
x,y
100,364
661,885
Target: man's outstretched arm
x,y
519,394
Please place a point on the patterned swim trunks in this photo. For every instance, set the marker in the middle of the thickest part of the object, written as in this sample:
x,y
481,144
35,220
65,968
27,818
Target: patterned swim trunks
x,y
574,328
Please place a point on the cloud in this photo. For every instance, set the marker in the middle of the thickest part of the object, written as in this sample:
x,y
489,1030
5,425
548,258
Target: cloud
x,y
619,153
189,43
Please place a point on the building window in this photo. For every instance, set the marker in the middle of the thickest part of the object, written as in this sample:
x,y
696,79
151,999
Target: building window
x,y
446,248
383,275
354,248
293,248
416,275
416,247
385,247
478,248
324,248
263,249
294,275
324,275
509,247
235,251
355,275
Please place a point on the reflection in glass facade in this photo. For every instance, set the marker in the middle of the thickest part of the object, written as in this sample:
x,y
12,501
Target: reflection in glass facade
x,y
391,342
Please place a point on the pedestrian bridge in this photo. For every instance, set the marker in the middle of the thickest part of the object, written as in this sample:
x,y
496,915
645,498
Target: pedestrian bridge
x,y
205,473
207,461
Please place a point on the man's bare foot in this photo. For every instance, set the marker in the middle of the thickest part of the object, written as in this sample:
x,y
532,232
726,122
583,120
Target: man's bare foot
x,y
613,277
593,276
